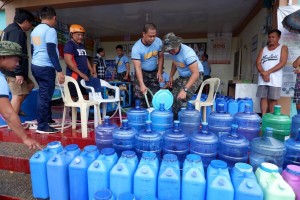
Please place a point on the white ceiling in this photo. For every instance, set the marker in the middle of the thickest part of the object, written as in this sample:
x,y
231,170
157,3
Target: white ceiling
x,y
178,16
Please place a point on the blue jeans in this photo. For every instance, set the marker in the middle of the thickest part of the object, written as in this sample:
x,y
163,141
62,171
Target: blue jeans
x,y
45,77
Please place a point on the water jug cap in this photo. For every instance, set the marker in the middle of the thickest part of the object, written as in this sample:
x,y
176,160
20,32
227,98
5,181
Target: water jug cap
x,y
104,194
148,126
137,104
176,126
247,108
128,154
170,157
90,148
277,109
71,147
268,132
218,164
243,167
106,120
163,96
220,108
193,158
54,144
149,155
190,105
108,151
161,106
234,128
293,169
126,196
268,167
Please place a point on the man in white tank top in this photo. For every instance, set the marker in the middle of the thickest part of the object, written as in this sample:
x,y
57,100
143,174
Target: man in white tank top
x,y
270,61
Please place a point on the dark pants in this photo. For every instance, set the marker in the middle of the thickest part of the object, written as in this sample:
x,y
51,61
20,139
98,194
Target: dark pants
x,y
45,77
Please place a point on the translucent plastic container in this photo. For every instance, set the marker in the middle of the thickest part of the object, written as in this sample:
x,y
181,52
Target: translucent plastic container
x,y
279,122
248,122
38,169
242,102
103,134
205,144
137,116
292,176
162,119
148,140
123,138
176,142
219,122
292,156
295,126
233,147
190,119
266,149
232,107
58,172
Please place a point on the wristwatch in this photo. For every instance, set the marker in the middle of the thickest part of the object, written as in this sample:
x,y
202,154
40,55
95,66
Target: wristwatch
x,y
185,89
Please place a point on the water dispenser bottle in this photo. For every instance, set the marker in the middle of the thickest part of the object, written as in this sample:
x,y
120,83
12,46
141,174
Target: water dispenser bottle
x,y
233,147
137,116
161,119
248,122
219,122
38,170
292,156
190,119
205,144
266,149
292,176
295,126
103,134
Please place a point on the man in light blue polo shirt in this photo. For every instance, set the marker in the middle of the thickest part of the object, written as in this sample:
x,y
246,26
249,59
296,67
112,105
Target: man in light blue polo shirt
x,y
122,63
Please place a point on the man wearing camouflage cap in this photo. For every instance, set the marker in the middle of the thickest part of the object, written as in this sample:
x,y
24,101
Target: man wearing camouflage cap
x,y
10,54
190,69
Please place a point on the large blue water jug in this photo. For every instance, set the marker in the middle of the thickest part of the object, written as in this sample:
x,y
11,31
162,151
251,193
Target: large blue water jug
x,y
121,175
169,178
266,149
219,122
103,134
58,172
148,140
245,184
295,126
137,116
190,119
233,147
248,122
193,178
123,138
242,102
292,156
78,172
104,194
98,171
205,144
38,169
232,107
176,142
145,177
161,119
219,185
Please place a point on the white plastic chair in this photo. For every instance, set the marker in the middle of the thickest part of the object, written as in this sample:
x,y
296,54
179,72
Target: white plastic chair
x,y
213,88
97,96
81,103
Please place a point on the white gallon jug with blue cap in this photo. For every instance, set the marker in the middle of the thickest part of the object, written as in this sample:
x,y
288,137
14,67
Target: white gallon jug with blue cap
x,y
104,194
161,118
38,169
245,184
219,185
121,175
145,177
98,171
193,178
272,183
58,172
169,178
137,116
78,172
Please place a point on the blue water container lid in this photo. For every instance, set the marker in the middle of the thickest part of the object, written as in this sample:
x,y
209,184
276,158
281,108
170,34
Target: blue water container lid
x,y
193,158
268,167
128,154
149,155
164,96
54,144
243,167
218,164
108,151
293,169
104,194
71,147
90,148
170,157
126,196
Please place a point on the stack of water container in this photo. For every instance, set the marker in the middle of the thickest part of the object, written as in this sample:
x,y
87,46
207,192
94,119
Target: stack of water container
x,y
219,121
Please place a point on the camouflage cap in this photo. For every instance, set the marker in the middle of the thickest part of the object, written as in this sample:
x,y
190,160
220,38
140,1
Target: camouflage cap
x,y
171,41
8,48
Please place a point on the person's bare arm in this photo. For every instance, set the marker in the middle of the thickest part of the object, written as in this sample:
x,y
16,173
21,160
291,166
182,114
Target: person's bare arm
x,y
70,64
139,74
296,63
173,71
283,59
127,71
160,65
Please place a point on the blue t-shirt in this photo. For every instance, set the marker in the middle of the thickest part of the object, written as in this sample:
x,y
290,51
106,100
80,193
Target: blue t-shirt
x,y
184,58
79,58
148,55
4,90
40,36
166,78
121,62
206,68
